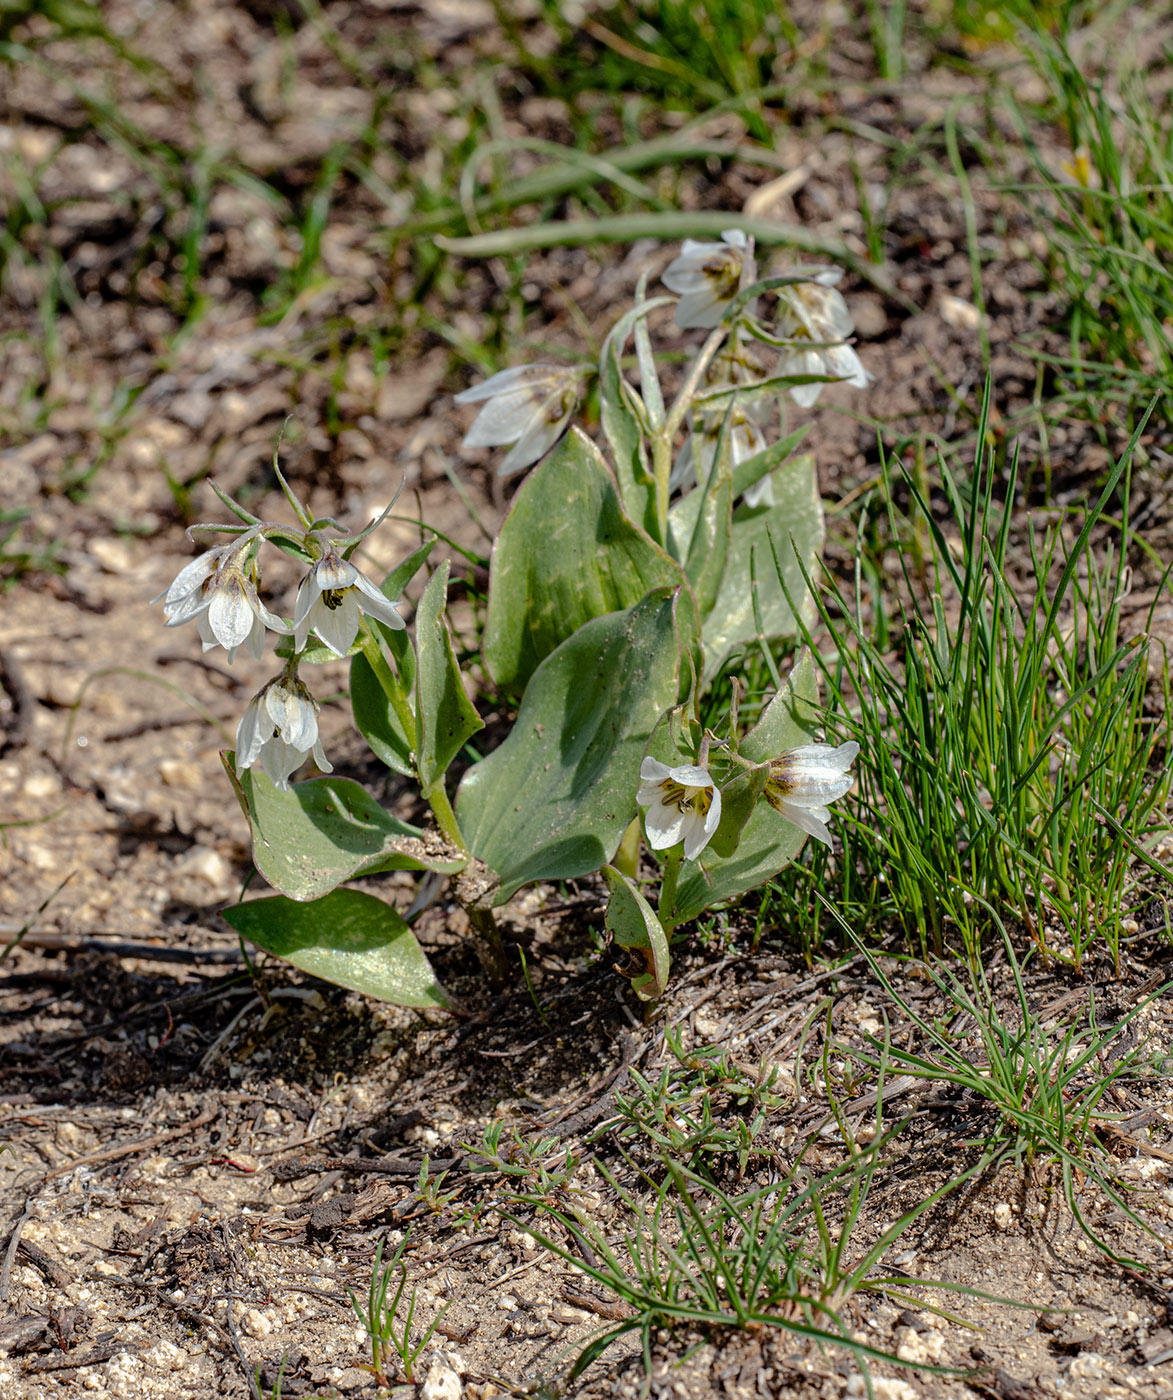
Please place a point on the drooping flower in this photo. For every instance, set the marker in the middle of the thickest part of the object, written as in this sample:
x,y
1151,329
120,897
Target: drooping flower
x,y
707,276
218,590
330,599
278,729
814,315
804,780
683,804
746,440
529,406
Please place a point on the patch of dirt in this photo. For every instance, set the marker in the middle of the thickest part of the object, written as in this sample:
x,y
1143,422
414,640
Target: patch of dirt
x,y
198,1165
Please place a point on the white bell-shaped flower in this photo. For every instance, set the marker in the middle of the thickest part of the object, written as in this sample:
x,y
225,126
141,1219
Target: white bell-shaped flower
x,y
278,729
218,591
330,599
683,805
707,276
815,316
529,406
804,780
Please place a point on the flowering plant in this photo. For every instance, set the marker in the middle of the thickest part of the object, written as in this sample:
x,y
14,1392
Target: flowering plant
x,y
623,582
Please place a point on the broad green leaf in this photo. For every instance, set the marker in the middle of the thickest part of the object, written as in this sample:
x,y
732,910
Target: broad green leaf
x,y
796,524
566,553
739,797
632,923
554,800
346,937
376,720
445,716
751,471
315,835
768,842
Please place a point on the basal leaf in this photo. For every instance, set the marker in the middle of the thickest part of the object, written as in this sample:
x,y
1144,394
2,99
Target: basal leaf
x,y
566,553
632,923
317,834
554,800
445,716
347,937
796,524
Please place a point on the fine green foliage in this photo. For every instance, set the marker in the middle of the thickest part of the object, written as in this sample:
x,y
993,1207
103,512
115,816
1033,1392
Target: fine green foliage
x,y
346,937
1047,1087
1012,721
389,1333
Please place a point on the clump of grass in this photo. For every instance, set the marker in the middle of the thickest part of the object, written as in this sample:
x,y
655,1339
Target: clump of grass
x,y
390,1333
1045,1086
1008,756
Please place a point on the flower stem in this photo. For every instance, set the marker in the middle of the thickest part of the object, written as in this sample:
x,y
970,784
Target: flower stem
x,y
445,816
488,944
667,906
664,435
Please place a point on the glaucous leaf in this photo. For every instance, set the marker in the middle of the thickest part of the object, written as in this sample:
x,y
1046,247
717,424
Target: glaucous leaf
x,y
347,937
567,552
554,800
375,718
632,923
796,524
315,835
445,717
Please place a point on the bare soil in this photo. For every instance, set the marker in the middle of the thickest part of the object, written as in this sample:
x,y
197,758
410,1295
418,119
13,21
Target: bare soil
x,y
197,1163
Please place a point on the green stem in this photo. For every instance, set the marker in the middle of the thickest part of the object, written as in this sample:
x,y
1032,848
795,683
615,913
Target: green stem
x,y
389,681
667,906
488,943
663,437
445,816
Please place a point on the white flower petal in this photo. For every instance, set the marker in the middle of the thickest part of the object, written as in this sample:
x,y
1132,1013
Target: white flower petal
x,y
807,819
337,627
761,493
293,714
376,604
507,381
503,419
689,775
190,577
280,761
652,770
537,439
699,310
254,729
665,826
323,763
229,615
